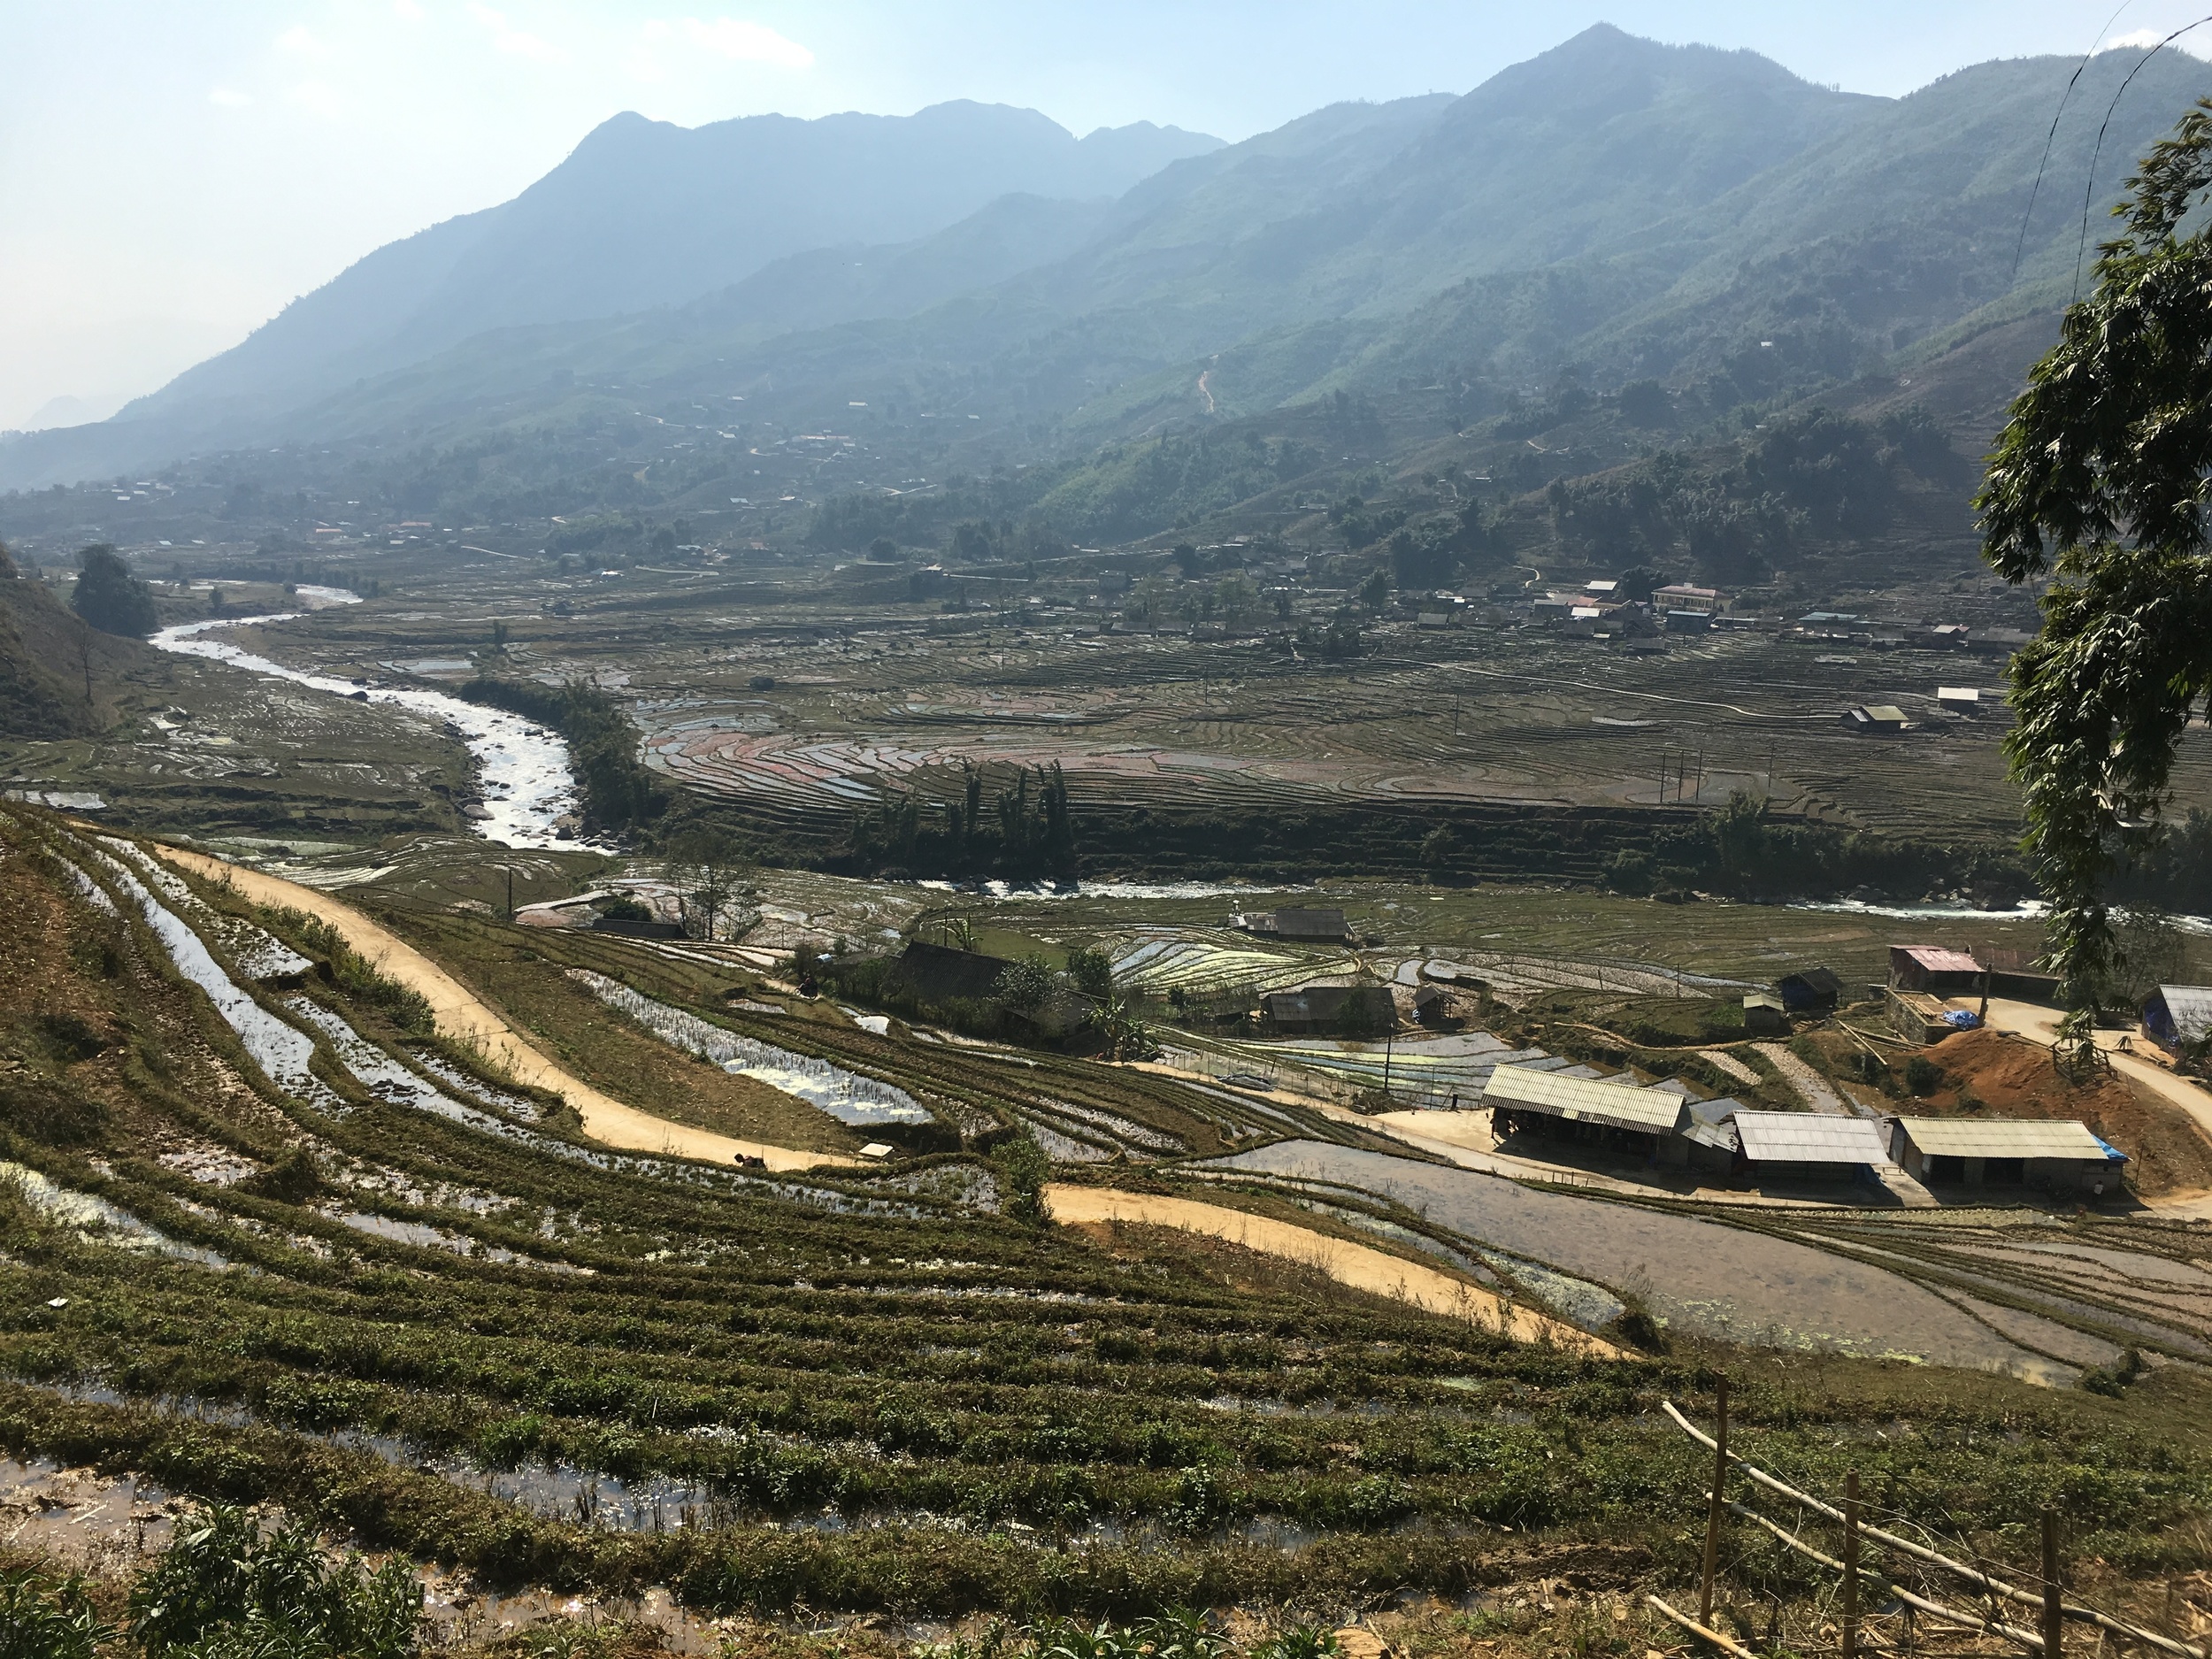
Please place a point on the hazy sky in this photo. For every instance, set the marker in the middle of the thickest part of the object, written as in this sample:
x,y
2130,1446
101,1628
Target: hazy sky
x,y
172,174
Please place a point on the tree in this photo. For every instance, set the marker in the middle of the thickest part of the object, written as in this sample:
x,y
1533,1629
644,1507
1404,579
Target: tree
x,y
1025,985
111,598
1092,971
703,864
1375,591
2102,475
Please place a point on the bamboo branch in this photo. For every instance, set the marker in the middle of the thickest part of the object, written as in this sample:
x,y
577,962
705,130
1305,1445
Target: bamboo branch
x,y
1934,1609
1692,1625
1972,1575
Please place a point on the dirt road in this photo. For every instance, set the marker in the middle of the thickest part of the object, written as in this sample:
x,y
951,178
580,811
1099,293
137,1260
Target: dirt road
x,y
462,1016
1352,1265
2039,1024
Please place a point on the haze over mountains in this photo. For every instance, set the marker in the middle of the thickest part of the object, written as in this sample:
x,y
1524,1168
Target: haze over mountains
x,y
1615,207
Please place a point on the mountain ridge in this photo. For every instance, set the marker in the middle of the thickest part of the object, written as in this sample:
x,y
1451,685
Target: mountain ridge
x,y
1614,208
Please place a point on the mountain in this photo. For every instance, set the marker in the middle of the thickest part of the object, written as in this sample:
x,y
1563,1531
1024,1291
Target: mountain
x,y
1611,210
646,214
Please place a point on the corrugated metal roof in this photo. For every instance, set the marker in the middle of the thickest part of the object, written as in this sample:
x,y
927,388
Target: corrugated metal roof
x,y
2190,1008
1936,959
1720,1137
1647,1112
2003,1138
1808,1138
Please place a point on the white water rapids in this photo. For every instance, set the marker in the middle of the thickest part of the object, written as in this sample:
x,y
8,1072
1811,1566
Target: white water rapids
x,y
523,768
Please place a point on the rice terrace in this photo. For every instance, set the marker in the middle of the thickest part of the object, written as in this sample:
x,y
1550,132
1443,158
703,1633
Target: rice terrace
x,y
900,887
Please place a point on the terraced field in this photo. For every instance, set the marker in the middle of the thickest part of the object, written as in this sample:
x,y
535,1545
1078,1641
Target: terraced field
x,y
1489,718
277,1238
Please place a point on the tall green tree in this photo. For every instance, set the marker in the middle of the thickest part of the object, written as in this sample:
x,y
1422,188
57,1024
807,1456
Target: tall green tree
x,y
2102,479
109,597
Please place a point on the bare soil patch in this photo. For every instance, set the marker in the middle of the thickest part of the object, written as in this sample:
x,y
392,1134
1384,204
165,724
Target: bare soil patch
x,y
2011,1077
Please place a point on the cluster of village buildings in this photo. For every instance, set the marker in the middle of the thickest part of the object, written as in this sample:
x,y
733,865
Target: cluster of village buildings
x,y
1930,992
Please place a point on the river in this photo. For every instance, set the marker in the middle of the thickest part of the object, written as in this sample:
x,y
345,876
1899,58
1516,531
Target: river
x,y
523,768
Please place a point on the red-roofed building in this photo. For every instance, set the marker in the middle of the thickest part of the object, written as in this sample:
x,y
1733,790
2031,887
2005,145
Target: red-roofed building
x,y
1932,968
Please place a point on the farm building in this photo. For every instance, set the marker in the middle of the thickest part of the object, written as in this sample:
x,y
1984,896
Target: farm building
x,y
2177,1016
1642,1122
1807,1145
1317,926
1682,597
1431,1006
1346,1009
1689,621
1813,991
2058,1156
1712,1132
939,973
1958,700
1764,1015
1933,968
1875,719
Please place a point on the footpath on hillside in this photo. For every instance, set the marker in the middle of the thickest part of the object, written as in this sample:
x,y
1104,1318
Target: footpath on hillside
x,y
464,1016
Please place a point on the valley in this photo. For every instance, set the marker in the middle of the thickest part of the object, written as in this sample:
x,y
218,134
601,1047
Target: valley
x,y
1001,896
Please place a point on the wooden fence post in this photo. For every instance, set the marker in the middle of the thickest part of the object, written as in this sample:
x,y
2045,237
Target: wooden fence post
x,y
2054,1616
1851,1565
1713,1510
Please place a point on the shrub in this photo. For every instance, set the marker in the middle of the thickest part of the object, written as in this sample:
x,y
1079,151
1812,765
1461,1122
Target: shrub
x,y
1023,1169
1300,1641
1922,1075
222,1590
48,1621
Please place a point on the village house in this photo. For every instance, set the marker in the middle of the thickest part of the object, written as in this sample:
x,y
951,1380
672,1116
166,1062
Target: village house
x,y
1812,991
1875,719
1683,596
1311,927
1349,1010
2177,1018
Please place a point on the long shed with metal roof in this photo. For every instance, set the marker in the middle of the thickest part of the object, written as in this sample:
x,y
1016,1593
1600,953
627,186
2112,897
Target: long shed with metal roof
x,y
1809,1144
1645,1121
2059,1155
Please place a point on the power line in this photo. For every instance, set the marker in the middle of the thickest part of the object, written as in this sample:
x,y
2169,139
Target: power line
x,y
2089,190
2051,137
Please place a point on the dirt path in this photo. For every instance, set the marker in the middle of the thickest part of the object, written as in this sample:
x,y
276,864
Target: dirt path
x,y
1812,1087
1353,1264
461,1016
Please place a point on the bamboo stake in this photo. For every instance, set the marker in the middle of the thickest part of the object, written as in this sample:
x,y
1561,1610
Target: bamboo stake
x,y
2053,1610
1851,1564
2070,1609
1712,1510
1933,1609
1692,1625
